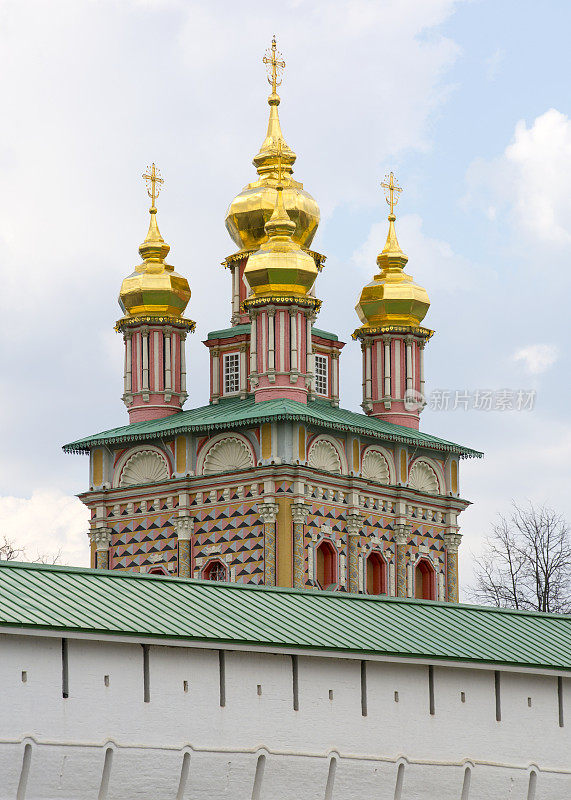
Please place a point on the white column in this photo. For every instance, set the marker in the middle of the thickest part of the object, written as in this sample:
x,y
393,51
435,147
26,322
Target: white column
x,y
409,364
335,376
422,368
309,352
174,361
379,349
293,340
128,363
215,372
397,369
243,387
168,371
183,363
235,290
387,365
145,347
253,351
271,340
368,381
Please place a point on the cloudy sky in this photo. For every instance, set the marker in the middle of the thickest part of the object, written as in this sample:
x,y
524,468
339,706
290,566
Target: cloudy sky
x,y
468,103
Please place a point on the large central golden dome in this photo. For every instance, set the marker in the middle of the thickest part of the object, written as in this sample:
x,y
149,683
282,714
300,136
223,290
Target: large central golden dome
x,y
250,210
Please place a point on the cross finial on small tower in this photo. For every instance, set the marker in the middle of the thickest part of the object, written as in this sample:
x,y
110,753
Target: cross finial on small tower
x,y
392,191
275,65
154,182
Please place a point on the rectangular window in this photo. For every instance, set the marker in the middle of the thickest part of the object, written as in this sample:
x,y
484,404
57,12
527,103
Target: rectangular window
x,y
321,375
231,373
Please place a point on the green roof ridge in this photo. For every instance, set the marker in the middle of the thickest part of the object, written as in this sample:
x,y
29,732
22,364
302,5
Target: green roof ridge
x,y
237,412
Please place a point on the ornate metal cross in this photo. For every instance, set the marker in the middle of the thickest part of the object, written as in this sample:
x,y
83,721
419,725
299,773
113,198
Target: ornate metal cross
x,y
153,180
392,191
275,65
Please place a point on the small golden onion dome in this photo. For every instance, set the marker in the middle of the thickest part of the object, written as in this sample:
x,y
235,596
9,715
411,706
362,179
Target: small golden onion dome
x,y
250,210
154,288
280,267
392,297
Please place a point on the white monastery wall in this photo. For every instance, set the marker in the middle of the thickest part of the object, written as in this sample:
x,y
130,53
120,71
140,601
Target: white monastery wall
x,y
357,733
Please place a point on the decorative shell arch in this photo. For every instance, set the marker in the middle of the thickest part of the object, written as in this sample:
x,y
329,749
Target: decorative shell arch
x,y
144,466
375,467
423,478
324,456
226,455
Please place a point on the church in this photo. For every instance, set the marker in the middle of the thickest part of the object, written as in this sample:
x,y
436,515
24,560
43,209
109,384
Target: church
x,y
273,483
272,608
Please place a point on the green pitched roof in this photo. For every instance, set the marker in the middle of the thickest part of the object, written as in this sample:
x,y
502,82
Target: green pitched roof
x,y
236,413
37,596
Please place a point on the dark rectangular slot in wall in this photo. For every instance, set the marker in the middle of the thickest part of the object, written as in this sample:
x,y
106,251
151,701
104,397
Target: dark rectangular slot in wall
x,y
64,669
364,688
497,688
560,700
146,675
222,676
295,682
431,690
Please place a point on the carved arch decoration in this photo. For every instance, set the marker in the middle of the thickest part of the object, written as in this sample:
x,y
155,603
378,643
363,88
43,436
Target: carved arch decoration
x,y
324,455
226,454
375,465
423,478
147,465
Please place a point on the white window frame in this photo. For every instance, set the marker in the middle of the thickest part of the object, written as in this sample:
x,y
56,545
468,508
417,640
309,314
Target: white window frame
x,y
321,377
231,379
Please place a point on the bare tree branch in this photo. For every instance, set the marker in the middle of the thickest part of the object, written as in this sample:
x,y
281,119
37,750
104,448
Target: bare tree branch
x,y
526,562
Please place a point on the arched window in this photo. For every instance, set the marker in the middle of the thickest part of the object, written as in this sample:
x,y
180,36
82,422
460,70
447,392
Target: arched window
x,y
214,571
376,574
326,564
424,581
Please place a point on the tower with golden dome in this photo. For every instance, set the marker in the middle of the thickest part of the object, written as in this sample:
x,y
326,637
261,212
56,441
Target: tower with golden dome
x,y
153,299
391,308
272,482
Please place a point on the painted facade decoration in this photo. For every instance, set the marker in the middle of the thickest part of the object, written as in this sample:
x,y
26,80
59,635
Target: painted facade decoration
x,y
273,482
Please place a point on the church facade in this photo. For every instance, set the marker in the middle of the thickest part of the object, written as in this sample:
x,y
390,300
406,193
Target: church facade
x,y
272,482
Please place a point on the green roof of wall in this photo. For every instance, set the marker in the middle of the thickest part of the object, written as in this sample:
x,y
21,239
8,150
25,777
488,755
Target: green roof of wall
x,y
37,596
236,413
325,334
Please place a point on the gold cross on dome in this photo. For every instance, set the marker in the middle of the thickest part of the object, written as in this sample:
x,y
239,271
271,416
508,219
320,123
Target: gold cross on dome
x,y
154,182
392,191
275,65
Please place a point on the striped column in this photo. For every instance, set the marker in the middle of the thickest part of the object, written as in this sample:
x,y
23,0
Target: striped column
x,y
452,543
401,541
354,522
269,513
184,526
101,537
299,512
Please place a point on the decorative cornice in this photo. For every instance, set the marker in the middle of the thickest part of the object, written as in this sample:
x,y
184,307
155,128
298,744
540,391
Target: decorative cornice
x,y
279,300
407,330
177,322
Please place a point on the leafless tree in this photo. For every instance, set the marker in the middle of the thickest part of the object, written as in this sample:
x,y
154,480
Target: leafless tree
x,y
10,551
526,562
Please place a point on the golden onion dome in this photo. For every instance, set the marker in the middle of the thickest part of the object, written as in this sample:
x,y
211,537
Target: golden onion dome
x,y
392,297
250,210
154,288
280,268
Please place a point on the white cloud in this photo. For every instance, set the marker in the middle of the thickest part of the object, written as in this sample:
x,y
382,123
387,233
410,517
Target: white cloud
x,y
531,180
45,523
537,358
